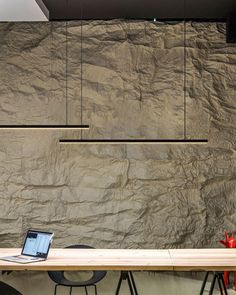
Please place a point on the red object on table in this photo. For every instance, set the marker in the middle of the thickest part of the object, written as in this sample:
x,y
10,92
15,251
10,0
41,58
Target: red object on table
x,y
229,242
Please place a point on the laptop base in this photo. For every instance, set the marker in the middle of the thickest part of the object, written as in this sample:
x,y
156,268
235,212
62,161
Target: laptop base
x,y
22,259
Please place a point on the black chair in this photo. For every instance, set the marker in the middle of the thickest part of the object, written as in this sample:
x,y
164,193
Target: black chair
x,y
217,276
59,278
8,290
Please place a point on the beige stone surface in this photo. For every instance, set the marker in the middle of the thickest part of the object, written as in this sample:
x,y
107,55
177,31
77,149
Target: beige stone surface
x,y
118,196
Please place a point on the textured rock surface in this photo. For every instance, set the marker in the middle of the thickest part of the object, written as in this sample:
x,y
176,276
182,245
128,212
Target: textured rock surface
x,y
118,196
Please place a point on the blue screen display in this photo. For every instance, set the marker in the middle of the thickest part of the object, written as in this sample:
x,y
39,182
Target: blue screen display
x,y
37,244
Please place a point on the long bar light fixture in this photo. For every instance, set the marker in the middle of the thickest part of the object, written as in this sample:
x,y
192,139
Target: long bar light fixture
x,y
184,140
43,127
133,141
54,126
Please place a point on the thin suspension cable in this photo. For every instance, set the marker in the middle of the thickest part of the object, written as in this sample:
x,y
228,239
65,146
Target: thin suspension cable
x,y
185,80
67,72
67,6
51,61
136,141
81,66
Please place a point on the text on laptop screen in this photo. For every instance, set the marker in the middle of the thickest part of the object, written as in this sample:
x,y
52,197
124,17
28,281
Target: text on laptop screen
x,y
37,244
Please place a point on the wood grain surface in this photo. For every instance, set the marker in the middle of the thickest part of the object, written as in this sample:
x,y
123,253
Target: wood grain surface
x,y
128,259
93,259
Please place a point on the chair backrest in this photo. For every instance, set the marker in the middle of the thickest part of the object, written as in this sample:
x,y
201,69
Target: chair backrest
x,y
79,247
59,277
8,290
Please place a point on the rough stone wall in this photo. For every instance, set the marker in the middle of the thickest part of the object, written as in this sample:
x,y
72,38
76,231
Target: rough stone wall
x,y
118,196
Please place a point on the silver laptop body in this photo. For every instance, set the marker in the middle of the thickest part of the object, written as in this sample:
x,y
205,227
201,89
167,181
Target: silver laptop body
x,y
36,247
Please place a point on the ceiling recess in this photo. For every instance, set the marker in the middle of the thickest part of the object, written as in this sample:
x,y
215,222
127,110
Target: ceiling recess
x,y
139,9
23,11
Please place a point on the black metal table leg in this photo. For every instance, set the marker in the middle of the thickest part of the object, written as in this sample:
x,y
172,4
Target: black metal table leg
x,y
212,285
204,283
219,283
119,284
221,278
130,284
133,283
127,275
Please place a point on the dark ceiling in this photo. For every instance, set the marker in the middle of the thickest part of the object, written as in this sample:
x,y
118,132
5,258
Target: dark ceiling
x,y
140,9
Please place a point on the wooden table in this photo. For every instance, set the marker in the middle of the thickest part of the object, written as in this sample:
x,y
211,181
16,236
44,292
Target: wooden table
x,y
203,259
120,259
93,259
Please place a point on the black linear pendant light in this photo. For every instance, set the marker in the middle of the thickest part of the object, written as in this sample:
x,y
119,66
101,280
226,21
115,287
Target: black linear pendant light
x,y
54,126
184,140
133,141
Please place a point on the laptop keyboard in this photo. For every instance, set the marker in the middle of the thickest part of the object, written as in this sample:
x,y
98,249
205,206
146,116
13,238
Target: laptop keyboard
x,y
26,257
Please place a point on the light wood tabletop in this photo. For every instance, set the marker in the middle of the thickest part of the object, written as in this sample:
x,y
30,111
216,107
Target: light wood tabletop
x,y
130,259
203,259
93,259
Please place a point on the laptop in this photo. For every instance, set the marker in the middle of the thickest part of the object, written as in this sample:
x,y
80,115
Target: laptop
x,y
36,247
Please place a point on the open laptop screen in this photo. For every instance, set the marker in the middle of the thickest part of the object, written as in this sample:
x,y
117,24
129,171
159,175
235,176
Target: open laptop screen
x,y
37,243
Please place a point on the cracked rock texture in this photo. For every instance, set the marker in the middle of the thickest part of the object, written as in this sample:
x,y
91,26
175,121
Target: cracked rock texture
x,y
129,196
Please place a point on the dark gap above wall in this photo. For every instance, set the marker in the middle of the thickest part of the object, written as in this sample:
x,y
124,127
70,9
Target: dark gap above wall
x,y
168,20
137,9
